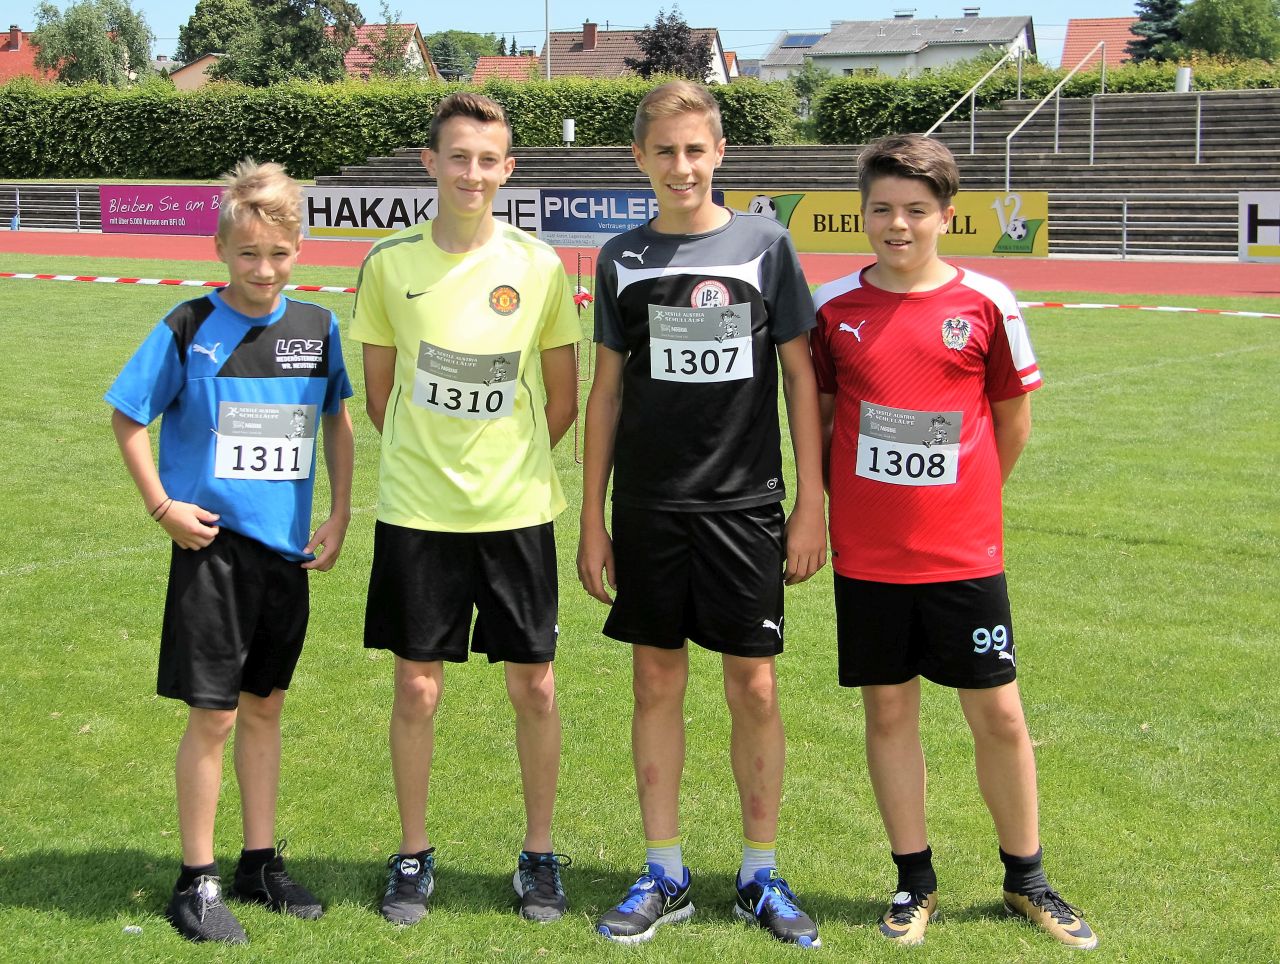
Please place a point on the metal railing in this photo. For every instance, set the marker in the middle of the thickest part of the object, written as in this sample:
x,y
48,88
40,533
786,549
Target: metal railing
x,y
57,206
1057,109
971,95
1140,215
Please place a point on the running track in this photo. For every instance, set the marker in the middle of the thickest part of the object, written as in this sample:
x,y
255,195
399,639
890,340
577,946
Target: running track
x,y
1220,278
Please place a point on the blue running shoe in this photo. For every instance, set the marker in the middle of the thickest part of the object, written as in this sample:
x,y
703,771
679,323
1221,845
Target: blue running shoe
x,y
767,901
653,900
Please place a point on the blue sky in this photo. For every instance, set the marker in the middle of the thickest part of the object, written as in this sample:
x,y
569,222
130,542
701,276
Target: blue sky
x,y
748,28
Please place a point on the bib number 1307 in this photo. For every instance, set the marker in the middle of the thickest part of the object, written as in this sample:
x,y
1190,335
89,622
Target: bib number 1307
x,y
700,344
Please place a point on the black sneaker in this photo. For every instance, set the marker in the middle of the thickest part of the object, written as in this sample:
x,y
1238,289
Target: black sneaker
x,y
199,914
272,886
653,900
411,879
766,900
537,884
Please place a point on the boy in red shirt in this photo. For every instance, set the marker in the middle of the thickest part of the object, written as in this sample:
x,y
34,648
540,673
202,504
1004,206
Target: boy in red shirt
x,y
925,372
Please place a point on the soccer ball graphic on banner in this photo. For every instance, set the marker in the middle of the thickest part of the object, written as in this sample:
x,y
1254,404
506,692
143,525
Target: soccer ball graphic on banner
x,y
763,204
1017,229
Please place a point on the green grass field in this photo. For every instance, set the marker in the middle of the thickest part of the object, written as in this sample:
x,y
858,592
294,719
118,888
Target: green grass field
x,y
1144,534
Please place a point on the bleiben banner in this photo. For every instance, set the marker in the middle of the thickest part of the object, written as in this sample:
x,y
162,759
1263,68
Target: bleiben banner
x,y
830,222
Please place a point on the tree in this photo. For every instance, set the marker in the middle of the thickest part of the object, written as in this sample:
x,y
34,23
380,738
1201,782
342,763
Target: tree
x,y
502,46
302,39
94,40
807,81
1238,29
1157,32
386,48
212,27
669,47
459,49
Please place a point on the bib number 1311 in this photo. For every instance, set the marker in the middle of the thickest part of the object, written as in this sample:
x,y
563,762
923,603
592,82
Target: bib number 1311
x,y
264,441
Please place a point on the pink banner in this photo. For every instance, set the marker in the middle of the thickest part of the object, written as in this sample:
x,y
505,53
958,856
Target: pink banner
x,y
159,209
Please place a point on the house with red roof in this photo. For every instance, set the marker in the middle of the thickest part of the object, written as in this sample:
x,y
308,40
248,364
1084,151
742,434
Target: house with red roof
x,y
592,52
1084,34
358,60
524,67
18,57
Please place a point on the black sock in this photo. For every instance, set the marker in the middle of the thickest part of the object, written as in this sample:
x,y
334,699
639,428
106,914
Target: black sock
x,y
1024,875
915,872
188,875
252,861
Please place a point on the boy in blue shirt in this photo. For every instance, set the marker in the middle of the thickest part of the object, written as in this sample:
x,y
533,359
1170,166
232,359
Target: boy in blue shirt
x,y
242,377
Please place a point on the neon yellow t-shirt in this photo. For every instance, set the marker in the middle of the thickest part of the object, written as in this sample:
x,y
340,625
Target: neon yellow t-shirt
x,y
464,444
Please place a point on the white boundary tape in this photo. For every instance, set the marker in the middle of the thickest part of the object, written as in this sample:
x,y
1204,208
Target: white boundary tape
x,y
333,289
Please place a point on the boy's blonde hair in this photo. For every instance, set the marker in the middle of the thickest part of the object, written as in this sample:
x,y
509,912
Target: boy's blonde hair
x,y
674,98
262,191
477,107
910,155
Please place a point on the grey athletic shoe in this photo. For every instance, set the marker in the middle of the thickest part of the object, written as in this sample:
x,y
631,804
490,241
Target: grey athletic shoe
x,y
537,884
199,914
411,879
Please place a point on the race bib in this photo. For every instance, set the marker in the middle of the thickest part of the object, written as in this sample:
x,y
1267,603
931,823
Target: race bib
x,y
710,344
464,385
263,440
902,447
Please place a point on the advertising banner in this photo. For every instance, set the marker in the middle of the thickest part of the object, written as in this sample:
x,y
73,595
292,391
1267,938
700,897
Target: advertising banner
x,y
159,209
587,219
1260,226
369,213
830,222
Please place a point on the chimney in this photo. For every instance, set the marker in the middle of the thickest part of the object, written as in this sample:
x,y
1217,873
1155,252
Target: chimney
x,y
15,36
972,11
589,35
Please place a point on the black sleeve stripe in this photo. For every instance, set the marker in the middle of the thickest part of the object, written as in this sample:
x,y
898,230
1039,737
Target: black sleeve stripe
x,y
185,320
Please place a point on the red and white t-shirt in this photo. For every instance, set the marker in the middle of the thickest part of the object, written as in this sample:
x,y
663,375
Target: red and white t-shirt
x,y
915,476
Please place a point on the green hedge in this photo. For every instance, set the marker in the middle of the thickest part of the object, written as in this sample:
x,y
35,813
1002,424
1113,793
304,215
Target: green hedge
x,y
854,110
155,131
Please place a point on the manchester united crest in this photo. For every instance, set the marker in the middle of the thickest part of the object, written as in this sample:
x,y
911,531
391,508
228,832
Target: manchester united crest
x,y
504,299
955,333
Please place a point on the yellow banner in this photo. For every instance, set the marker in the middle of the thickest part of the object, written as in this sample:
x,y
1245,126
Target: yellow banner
x,y
830,222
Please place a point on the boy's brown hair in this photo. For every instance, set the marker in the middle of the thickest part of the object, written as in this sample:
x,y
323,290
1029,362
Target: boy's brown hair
x,y
670,99
477,107
910,155
262,191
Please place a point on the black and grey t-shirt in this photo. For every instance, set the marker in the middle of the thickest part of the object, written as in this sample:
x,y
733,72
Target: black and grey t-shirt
x,y
699,318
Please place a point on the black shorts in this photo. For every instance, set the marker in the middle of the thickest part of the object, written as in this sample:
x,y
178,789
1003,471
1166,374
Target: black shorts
x,y
235,617
957,634
711,577
424,585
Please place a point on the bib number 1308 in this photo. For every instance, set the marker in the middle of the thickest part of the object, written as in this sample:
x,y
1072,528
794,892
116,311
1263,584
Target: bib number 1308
x,y
904,447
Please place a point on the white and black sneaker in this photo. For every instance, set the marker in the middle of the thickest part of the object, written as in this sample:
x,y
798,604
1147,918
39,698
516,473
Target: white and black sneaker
x,y
411,879
198,913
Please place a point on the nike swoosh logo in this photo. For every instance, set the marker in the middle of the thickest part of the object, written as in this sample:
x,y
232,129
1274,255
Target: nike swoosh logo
x,y
416,294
